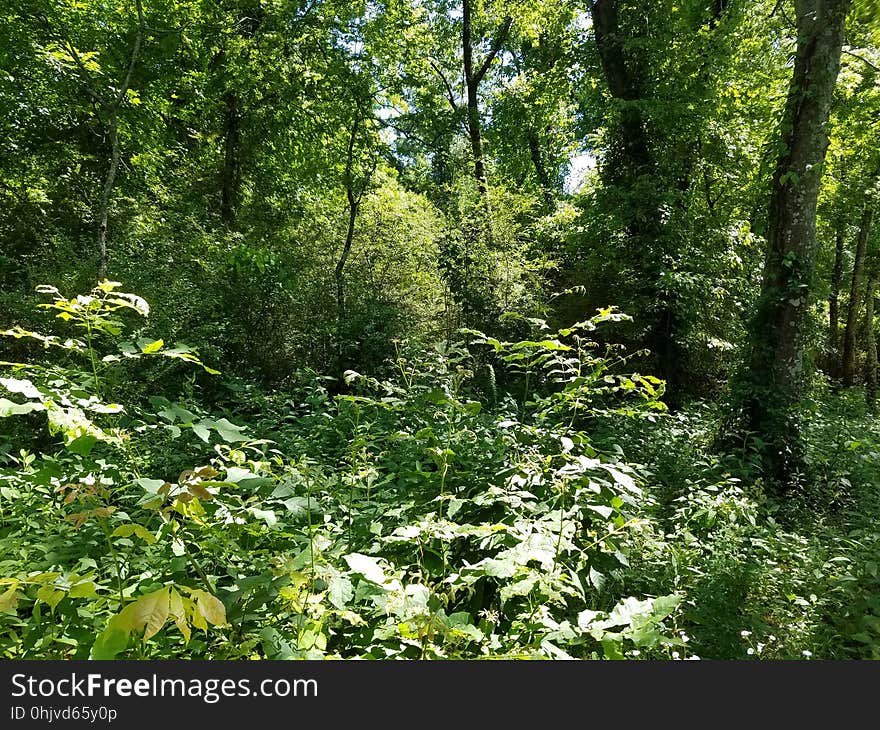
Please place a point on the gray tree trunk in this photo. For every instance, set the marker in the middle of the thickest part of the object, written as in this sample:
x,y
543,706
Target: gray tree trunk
x,y
870,345
848,359
472,78
769,390
834,302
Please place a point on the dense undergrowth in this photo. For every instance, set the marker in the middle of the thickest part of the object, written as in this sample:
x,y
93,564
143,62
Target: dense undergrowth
x,y
481,499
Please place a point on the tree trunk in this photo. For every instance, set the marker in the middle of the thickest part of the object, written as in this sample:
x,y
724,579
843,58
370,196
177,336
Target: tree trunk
x,y
112,109
230,176
870,345
770,389
472,79
634,167
113,129
623,85
354,195
540,170
834,302
848,363
339,273
475,132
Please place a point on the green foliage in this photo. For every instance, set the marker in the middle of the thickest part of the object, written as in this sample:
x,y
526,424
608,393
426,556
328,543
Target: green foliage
x,y
416,521
293,184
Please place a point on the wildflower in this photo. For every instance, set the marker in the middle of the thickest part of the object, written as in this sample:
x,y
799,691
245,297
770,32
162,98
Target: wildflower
x,y
750,651
745,633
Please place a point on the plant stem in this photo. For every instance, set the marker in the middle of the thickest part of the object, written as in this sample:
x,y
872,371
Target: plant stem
x,y
92,357
106,527
198,568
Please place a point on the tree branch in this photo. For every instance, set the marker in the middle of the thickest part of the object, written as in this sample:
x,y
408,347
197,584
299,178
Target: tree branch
x,y
450,95
135,53
500,37
862,59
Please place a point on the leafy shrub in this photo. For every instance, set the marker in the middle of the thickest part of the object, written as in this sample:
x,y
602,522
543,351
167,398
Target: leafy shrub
x,y
402,518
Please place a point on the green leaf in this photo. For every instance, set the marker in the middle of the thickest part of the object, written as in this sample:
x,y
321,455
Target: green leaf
x,y
111,641
25,387
275,646
82,445
339,591
366,566
9,408
86,589
228,431
612,649
267,515
236,474
202,432
150,485
50,595
132,528
624,480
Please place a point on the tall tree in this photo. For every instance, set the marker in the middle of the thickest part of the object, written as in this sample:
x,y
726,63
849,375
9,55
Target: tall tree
x,y
646,169
107,104
473,77
771,385
848,357
834,296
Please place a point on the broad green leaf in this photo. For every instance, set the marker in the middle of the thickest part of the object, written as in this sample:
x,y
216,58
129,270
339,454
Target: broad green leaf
x,y
340,591
82,445
25,387
9,408
228,431
111,641
132,528
50,595
202,432
267,515
150,485
368,567
86,589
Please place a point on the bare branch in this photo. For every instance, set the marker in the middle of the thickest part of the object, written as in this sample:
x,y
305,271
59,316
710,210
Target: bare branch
x,y
500,37
450,95
135,53
862,59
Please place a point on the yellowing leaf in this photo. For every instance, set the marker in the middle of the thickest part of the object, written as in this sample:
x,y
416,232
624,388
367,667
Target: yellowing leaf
x,y
210,607
175,607
9,599
197,490
150,612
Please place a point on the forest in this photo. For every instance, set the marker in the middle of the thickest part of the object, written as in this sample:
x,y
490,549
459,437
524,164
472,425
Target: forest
x,y
439,329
